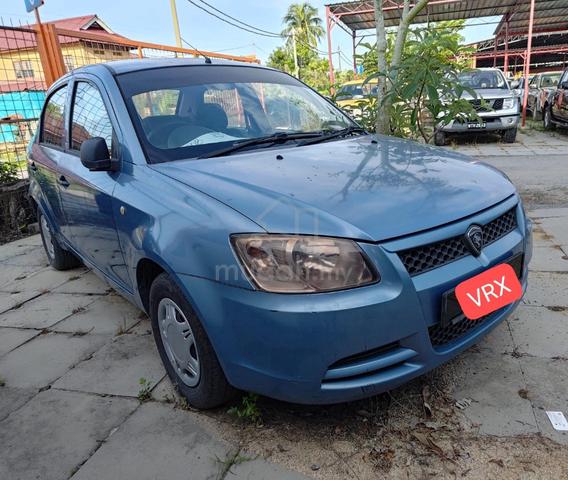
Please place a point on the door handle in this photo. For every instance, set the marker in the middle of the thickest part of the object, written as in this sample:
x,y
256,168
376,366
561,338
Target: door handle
x,y
63,181
33,167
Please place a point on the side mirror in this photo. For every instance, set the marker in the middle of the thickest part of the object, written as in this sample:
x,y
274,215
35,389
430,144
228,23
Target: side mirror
x,y
516,92
95,156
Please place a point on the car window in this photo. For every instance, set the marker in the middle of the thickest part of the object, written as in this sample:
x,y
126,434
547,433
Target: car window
x,y
53,123
89,116
482,79
550,80
156,103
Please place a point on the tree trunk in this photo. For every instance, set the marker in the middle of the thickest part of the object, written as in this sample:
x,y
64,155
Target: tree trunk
x,y
382,114
408,15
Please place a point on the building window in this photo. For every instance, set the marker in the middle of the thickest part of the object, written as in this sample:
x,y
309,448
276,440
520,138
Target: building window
x,y
24,69
69,64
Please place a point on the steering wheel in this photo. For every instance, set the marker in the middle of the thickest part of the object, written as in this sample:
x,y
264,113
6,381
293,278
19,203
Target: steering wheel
x,y
181,135
159,136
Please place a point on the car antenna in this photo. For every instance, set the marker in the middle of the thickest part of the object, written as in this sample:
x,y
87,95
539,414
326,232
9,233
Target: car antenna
x,y
207,59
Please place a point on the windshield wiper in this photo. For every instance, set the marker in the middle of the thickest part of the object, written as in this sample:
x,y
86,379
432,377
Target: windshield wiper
x,y
279,137
333,134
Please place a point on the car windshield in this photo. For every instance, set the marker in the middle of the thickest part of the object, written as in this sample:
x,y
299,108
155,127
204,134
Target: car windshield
x,y
349,91
550,79
482,79
190,111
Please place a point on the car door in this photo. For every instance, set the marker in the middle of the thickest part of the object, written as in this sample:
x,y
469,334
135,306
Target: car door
x,y
560,101
45,154
87,196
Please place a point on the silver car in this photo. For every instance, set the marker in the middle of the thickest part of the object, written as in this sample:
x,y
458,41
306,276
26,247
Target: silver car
x,y
496,104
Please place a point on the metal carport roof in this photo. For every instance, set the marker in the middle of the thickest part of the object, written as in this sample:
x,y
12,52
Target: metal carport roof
x,y
548,14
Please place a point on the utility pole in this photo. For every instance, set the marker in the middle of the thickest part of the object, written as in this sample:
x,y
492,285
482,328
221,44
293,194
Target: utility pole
x,y
176,23
296,66
339,56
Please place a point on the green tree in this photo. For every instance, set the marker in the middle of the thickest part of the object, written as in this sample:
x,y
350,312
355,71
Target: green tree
x,y
281,59
303,21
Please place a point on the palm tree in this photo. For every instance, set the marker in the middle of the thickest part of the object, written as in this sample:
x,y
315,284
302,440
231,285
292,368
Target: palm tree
x,y
302,20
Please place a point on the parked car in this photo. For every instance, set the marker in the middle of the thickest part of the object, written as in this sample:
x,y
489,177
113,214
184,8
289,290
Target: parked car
x,y
496,104
539,89
351,94
555,107
275,245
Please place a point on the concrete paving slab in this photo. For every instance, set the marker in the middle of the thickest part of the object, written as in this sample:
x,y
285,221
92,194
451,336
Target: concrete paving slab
x,y
547,388
56,431
164,391
13,398
547,289
499,340
158,441
10,338
493,381
43,281
557,227
11,300
14,273
46,358
15,249
548,212
548,259
28,255
87,283
540,332
110,314
45,310
117,368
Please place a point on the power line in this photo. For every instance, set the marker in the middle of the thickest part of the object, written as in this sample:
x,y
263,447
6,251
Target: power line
x,y
234,24
237,20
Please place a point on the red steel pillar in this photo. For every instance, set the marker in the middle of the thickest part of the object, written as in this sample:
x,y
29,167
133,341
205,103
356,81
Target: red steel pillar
x,y
528,63
506,61
328,23
354,48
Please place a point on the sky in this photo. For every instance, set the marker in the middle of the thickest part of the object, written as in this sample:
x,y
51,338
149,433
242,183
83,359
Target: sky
x,y
150,20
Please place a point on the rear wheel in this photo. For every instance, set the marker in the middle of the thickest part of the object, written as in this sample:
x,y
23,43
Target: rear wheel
x,y
440,138
185,349
59,258
547,121
510,136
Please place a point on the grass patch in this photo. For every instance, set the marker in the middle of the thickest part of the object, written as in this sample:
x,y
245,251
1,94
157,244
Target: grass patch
x,y
145,390
248,409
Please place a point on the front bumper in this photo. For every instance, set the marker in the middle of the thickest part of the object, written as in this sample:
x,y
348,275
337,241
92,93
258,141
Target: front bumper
x,y
342,346
493,123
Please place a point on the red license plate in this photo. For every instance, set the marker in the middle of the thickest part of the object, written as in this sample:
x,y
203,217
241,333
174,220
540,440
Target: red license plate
x,y
489,291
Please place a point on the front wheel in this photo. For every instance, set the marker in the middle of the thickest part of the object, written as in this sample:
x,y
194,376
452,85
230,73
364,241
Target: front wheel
x,y
547,121
59,258
440,138
510,136
185,349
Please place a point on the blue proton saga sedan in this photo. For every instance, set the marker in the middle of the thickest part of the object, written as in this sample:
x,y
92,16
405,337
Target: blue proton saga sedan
x,y
276,246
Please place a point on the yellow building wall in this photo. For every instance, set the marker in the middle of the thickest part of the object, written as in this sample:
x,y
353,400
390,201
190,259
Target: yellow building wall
x,y
75,55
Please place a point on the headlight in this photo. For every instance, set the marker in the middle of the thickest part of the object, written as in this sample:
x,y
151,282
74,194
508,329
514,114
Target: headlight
x,y
302,264
509,103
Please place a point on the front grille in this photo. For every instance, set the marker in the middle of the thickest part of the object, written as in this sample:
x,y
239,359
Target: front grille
x,y
453,324
427,257
487,105
440,335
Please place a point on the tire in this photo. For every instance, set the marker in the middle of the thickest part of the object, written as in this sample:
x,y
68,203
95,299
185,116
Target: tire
x,y
510,136
59,258
547,120
440,138
184,347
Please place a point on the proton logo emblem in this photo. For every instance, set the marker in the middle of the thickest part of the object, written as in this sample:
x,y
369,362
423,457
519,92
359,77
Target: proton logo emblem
x,y
474,239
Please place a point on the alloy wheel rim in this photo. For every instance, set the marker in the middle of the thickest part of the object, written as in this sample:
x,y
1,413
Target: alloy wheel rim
x,y
47,237
179,342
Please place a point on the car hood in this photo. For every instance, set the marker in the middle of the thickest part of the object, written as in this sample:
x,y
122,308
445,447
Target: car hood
x,y
367,187
488,93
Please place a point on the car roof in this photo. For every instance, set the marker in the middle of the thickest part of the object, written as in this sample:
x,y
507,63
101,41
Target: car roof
x,y
119,67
